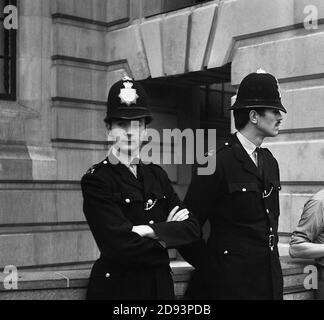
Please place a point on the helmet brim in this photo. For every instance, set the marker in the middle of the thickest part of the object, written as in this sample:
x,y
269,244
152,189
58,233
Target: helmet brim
x,y
252,105
131,113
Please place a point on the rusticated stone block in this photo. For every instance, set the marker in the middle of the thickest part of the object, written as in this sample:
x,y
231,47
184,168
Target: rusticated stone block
x,y
291,207
47,248
300,104
282,58
151,35
246,17
296,159
201,24
174,33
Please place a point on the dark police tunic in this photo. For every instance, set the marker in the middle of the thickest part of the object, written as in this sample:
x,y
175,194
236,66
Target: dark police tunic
x,y
131,266
240,260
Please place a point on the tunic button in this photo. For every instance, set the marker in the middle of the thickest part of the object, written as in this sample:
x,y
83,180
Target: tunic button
x,y
105,162
244,189
150,202
268,211
226,143
271,229
225,252
127,200
107,275
151,222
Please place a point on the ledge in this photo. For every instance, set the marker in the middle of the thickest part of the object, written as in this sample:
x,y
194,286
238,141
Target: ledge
x,y
72,284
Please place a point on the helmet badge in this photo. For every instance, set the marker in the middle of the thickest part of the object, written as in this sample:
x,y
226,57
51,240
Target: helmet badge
x,y
260,71
128,95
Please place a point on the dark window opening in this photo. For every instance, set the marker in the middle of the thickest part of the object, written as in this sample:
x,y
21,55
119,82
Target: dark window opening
x,y
7,56
209,92
216,101
151,8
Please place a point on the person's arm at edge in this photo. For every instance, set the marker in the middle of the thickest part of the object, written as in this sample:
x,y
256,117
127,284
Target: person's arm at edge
x,y
309,227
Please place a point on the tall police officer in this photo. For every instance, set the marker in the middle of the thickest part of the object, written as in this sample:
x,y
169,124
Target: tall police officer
x,y
132,209
241,201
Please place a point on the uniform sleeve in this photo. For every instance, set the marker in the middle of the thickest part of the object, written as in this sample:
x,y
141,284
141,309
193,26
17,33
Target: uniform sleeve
x,y
200,199
310,224
201,194
175,233
112,230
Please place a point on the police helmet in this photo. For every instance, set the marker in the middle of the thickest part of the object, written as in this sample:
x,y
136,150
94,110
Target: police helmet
x,y
259,90
127,100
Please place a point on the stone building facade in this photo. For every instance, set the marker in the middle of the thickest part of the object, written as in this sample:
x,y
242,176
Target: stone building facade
x,y
190,55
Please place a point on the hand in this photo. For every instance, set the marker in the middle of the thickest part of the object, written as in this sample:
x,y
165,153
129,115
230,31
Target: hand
x,y
178,216
144,231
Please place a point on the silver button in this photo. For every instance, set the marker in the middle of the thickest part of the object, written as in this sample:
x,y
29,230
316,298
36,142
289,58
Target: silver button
x,y
105,162
107,275
150,202
244,189
151,222
225,252
268,211
226,143
127,200
271,229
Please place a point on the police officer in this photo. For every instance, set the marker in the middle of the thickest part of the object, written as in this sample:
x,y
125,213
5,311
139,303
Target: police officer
x,y
241,202
132,210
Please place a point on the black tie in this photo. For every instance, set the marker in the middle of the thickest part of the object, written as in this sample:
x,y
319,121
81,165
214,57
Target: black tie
x,y
259,153
133,167
140,174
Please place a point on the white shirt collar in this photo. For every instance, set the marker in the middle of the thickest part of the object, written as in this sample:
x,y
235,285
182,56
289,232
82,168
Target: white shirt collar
x,y
246,143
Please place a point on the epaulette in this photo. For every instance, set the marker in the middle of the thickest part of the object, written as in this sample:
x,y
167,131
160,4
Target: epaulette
x,y
97,166
212,152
